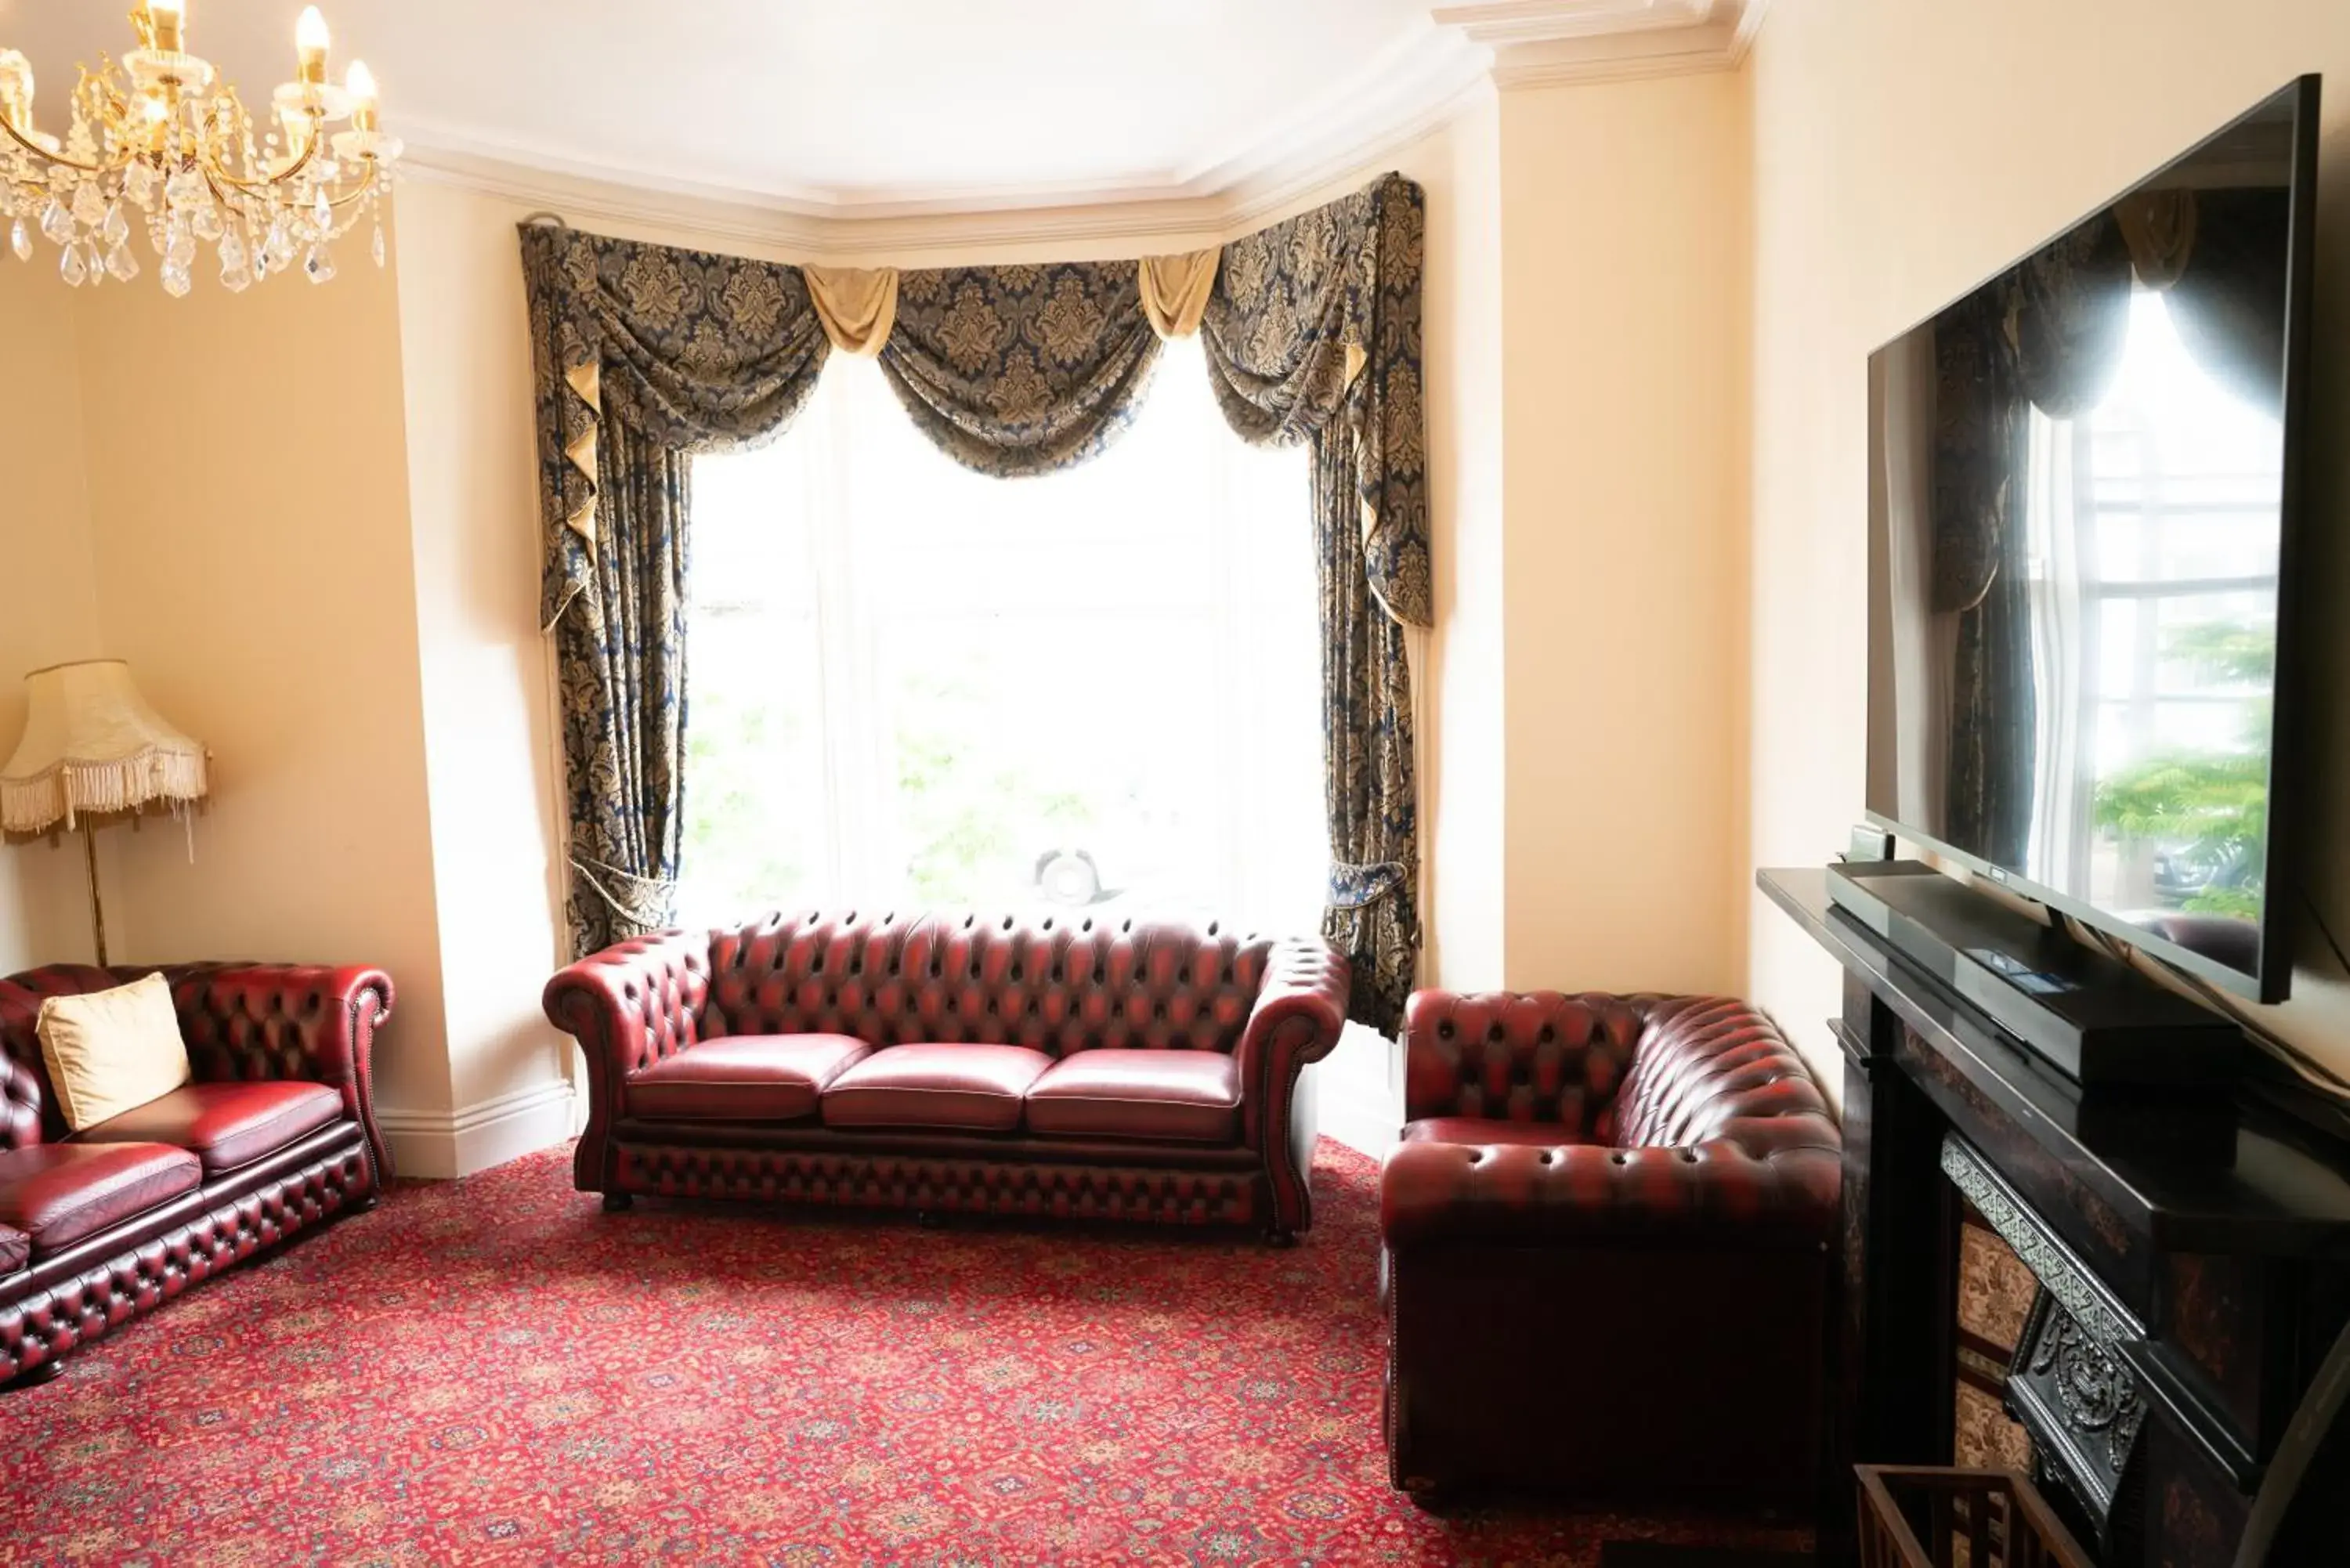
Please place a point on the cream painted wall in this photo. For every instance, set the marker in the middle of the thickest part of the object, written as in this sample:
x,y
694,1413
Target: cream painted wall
x,y
248,501
1462,679
1623,235
1902,150
51,616
490,762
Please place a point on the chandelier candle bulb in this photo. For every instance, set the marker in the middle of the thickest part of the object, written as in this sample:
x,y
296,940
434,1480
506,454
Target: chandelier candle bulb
x,y
360,85
310,41
169,19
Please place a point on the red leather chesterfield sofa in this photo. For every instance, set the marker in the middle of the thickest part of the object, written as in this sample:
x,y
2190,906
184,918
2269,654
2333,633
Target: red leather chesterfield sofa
x,y
275,1134
1110,1070
1607,1235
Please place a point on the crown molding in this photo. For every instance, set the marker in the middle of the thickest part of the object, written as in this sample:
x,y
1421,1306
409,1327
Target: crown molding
x,y
1510,22
1618,57
1420,82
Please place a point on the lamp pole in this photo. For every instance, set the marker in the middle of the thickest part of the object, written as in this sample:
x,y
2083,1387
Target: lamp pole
x,y
96,905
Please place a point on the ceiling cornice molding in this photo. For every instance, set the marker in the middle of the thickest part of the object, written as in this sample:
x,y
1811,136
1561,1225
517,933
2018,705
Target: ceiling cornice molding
x,y
1750,25
1409,89
1618,57
1508,22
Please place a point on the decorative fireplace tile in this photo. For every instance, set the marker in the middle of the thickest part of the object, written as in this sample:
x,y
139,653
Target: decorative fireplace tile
x,y
1995,1294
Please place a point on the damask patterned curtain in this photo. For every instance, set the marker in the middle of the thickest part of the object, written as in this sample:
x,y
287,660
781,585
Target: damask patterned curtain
x,y
1313,335
647,354
1020,370
644,355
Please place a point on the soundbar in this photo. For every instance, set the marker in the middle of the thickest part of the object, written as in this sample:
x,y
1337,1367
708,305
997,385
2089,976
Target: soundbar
x,y
2091,1017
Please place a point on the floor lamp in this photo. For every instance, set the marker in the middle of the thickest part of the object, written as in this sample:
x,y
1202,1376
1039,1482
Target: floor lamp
x,y
94,753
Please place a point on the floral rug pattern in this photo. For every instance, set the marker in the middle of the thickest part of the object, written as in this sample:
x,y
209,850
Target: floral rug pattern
x,y
496,1371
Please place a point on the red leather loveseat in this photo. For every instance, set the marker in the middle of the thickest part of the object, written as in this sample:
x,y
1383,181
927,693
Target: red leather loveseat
x,y
1607,1232
275,1134
1112,1070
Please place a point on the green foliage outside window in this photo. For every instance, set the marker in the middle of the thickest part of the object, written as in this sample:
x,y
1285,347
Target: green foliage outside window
x,y
2210,810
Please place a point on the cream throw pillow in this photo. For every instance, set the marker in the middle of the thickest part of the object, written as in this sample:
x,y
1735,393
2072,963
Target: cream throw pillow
x,y
109,1051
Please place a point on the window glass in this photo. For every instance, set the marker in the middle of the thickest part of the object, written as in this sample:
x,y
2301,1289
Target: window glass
x,y
1096,690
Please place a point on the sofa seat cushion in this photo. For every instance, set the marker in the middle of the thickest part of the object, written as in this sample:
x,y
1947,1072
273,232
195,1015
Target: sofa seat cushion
x,y
1181,1096
15,1249
972,1088
742,1078
59,1193
225,1125
1491,1131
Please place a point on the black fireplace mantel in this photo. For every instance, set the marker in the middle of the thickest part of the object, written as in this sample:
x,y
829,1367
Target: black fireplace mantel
x,y
2205,1237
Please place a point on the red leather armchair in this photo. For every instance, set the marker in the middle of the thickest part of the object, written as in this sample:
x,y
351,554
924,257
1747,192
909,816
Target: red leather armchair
x,y
1098,1069
275,1134
1606,1238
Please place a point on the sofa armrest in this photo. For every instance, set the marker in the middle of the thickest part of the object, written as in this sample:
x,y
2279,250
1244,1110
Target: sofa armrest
x,y
1300,1012
634,1003
1764,1182
253,1021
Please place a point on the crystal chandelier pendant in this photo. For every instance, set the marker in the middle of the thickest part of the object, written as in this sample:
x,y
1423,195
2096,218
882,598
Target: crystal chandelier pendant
x,y
120,265
21,242
319,264
375,246
115,228
72,268
236,275
88,204
57,223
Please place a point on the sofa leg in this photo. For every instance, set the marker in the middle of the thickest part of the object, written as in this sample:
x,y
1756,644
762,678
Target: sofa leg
x,y
614,1202
35,1375
1428,1496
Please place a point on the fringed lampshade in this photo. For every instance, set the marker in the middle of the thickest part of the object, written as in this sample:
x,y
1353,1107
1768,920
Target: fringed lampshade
x,y
92,746
94,751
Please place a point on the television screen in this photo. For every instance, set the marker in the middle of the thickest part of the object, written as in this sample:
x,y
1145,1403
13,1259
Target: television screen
x,y
2082,493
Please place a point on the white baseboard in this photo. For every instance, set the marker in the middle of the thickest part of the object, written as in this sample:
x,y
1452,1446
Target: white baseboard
x,y
442,1145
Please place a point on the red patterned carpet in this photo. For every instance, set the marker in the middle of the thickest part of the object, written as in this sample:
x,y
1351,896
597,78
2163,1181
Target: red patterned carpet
x,y
499,1372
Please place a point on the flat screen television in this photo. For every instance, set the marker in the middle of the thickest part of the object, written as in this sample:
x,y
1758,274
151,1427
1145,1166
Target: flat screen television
x,y
2085,503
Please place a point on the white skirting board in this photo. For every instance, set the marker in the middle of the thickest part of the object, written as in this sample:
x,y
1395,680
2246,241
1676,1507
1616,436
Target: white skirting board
x,y
441,1144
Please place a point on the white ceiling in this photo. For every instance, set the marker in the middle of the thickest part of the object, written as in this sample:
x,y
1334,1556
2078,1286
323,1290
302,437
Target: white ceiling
x,y
853,107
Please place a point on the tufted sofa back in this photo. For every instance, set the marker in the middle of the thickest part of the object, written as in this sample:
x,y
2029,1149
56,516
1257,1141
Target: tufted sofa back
x,y
237,1021
1056,984
1628,1071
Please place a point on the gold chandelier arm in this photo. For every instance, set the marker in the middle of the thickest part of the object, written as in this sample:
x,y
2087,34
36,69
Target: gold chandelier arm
x,y
337,203
39,151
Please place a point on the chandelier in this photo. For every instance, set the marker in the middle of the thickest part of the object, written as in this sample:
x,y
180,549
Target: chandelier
x,y
156,144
